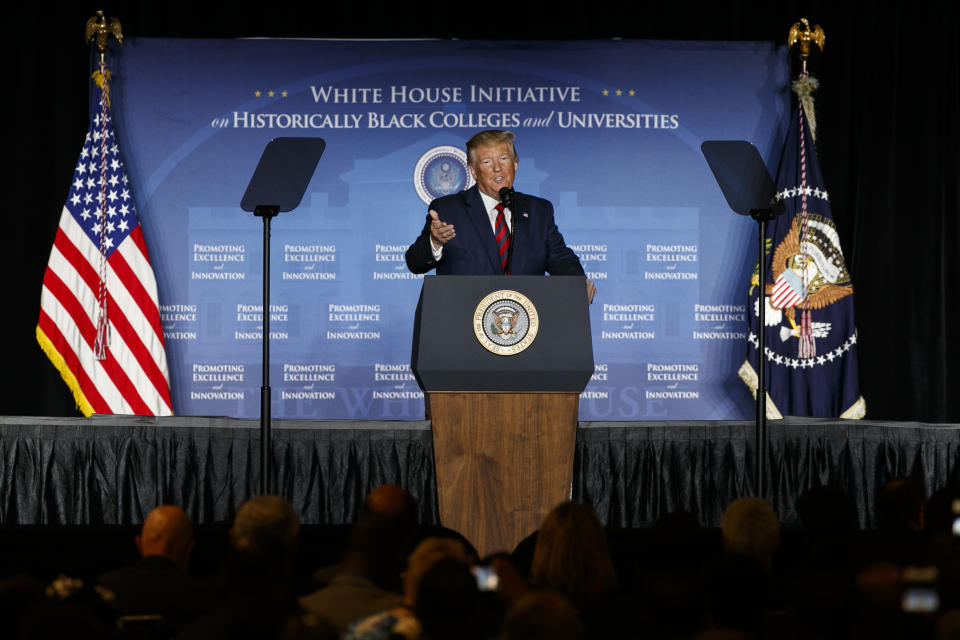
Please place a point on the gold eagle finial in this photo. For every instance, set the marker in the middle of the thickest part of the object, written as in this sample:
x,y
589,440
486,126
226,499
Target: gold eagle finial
x,y
99,27
801,32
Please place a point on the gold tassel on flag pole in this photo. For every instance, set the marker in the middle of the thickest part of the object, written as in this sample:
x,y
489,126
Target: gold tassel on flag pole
x,y
98,27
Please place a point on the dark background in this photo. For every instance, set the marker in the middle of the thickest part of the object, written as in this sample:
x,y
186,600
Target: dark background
x,y
887,114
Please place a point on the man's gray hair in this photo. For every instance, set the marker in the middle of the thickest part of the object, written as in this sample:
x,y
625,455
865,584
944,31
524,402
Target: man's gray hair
x,y
268,515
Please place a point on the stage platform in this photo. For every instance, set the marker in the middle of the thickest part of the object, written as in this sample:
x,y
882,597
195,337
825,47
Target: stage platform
x,y
112,470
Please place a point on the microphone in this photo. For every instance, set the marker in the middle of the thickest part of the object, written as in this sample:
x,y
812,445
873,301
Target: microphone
x,y
506,197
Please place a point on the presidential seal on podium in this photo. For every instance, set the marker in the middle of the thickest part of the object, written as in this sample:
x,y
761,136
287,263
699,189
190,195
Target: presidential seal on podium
x,y
505,322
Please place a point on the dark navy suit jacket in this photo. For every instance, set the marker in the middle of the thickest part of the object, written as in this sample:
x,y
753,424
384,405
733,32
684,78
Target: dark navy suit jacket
x,y
538,246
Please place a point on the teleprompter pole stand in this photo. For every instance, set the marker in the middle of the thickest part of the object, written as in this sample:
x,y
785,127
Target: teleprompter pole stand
x,y
281,178
762,216
748,188
267,212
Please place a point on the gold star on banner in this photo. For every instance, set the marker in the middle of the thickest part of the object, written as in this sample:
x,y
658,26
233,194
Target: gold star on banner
x,y
257,93
632,92
270,93
619,93
606,92
283,94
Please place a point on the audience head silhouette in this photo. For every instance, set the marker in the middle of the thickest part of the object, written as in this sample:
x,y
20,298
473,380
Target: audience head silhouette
x,y
266,515
571,555
167,532
750,528
390,501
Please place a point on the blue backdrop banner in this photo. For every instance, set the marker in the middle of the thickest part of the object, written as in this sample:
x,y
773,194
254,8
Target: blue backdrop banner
x,y
609,131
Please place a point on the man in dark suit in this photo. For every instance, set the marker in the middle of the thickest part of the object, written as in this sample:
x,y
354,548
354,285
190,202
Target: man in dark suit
x,y
471,232
158,586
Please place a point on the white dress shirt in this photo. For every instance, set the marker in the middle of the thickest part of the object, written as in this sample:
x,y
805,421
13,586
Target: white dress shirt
x,y
490,204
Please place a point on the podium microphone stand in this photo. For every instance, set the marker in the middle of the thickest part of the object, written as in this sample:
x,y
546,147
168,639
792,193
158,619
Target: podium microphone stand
x,y
277,185
749,190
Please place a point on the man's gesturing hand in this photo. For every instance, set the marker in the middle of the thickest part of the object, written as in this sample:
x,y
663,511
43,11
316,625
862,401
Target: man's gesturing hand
x,y
440,232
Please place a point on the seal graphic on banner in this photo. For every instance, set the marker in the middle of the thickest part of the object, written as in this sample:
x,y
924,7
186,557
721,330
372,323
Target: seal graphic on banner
x,y
505,322
441,171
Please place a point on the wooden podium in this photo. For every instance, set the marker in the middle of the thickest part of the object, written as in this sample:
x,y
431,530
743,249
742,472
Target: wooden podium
x,y
504,424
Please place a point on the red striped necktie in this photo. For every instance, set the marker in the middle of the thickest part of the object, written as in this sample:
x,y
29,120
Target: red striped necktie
x,y
502,236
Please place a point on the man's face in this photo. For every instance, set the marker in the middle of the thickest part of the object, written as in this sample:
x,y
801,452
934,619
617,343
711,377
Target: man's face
x,y
493,167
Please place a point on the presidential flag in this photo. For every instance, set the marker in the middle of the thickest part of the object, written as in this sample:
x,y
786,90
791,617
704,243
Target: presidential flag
x,y
99,319
810,336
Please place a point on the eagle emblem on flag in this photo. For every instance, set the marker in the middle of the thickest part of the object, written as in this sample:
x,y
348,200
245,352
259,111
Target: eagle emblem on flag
x,y
810,274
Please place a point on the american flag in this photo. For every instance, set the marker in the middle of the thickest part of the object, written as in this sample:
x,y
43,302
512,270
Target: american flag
x,y
99,319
